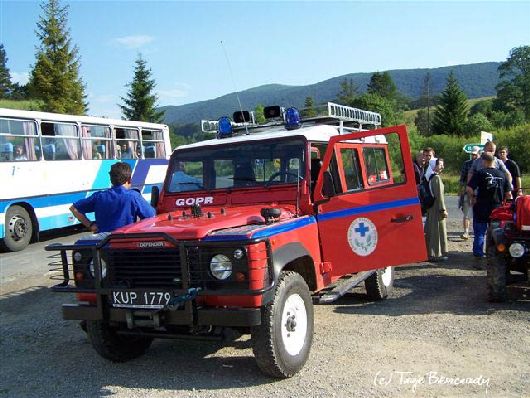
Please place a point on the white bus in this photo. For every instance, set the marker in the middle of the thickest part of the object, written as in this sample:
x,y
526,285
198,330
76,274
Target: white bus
x,y
49,160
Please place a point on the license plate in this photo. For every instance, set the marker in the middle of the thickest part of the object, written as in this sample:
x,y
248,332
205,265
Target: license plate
x,y
140,299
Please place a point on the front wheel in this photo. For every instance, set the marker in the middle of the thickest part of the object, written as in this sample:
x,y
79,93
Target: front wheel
x,y
18,228
379,285
282,342
496,276
114,346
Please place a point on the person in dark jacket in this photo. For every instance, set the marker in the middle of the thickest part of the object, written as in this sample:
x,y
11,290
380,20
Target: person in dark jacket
x,y
487,188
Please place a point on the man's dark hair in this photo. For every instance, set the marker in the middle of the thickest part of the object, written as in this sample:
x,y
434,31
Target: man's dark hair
x,y
120,173
438,160
428,149
488,157
502,148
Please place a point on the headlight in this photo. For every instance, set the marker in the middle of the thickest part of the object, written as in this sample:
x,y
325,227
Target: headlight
x,y
103,268
517,250
220,266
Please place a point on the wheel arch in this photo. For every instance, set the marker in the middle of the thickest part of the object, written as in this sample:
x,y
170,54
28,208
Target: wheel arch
x,y
294,257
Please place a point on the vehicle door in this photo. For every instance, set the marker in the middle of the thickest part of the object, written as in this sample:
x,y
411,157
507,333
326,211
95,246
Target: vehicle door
x,y
367,206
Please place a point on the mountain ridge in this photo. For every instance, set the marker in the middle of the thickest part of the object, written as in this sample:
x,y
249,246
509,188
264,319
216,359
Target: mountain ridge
x,y
476,80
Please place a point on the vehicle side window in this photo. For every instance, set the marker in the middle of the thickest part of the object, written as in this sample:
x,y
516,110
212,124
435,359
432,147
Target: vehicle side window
x,y
352,174
376,167
60,141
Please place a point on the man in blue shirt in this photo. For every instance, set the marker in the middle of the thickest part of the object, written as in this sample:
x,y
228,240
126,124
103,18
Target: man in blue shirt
x,y
114,207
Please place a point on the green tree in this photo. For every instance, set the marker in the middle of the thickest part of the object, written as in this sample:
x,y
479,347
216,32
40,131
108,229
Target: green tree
x,y
309,108
451,114
55,77
476,123
6,86
513,92
348,92
383,85
386,107
140,102
259,114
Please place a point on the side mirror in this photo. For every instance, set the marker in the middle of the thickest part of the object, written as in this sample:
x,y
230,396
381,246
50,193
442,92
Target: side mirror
x,y
155,195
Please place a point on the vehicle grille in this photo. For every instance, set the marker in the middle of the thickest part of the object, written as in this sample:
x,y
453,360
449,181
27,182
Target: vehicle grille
x,y
144,268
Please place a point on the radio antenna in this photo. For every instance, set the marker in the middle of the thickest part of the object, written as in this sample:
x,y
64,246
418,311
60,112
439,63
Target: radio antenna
x,y
233,81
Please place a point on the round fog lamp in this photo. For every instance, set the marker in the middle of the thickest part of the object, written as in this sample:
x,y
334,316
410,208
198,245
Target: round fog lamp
x,y
517,250
220,266
103,268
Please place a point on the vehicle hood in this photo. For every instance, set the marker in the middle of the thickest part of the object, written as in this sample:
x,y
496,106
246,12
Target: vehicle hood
x,y
183,225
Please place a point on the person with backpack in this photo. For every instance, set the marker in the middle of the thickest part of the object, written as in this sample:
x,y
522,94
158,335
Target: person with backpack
x,y
435,224
487,189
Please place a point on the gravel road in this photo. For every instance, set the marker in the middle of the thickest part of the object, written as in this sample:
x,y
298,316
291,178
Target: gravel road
x,y
436,336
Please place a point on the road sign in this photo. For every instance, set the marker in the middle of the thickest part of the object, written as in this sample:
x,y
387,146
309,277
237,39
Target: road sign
x,y
468,148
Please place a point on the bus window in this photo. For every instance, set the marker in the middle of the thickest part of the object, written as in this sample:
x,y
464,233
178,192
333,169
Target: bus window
x,y
96,142
153,144
127,143
18,140
60,141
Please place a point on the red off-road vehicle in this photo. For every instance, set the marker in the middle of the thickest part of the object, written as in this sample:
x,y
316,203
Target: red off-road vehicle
x,y
508,244
252,227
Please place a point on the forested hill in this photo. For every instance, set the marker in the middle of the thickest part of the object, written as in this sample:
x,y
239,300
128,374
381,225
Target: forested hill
x,y
477,80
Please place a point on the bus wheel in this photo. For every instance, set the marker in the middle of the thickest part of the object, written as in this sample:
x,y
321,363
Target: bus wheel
x,y
18,228
380,283
282,342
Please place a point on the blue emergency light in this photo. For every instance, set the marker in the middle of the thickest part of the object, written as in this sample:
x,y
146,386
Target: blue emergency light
x,y
224,127
292,119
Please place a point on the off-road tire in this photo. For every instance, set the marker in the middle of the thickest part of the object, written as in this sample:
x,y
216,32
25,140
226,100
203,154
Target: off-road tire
x,y
282,342
18,228
380,284
113,346
496,276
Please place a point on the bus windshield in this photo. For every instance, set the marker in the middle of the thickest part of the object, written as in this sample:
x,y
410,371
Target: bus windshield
x,y
238,165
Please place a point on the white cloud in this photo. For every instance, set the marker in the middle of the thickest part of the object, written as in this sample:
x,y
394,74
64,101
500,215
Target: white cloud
x,y
133,41
20,77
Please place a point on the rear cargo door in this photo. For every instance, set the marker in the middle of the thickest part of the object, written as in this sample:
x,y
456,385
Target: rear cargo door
x,y
368,211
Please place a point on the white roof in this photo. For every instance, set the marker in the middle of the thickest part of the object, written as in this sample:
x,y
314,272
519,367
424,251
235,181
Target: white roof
x,y
48,116
313,133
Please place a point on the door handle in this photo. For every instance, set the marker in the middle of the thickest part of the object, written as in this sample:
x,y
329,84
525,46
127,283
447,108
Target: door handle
x,y
402,219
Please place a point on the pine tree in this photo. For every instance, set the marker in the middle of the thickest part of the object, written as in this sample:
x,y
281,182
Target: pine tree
x,y
55,77
383,85
451,114
140,103
6,86
309,108
348,92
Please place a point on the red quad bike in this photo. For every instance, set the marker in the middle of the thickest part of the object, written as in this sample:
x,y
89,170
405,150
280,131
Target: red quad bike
x,y
508,244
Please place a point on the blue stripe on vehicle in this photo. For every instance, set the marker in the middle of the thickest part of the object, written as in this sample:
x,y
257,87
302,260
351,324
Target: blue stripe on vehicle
x,y
267,232
368,209
102,179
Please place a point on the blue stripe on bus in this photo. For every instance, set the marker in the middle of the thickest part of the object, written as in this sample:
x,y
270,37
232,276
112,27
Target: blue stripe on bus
x,y
266,233
368,209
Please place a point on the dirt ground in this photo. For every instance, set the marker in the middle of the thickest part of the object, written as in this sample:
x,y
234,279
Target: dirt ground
x,y
436,336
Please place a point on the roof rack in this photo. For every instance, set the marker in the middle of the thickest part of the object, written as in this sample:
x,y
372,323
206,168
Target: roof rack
x,y
332,113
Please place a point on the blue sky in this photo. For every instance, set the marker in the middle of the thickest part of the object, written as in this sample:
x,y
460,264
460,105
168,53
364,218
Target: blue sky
x,y
294,42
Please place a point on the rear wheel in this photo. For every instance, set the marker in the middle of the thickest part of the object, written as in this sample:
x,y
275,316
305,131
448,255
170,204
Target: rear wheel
x,y
282,342
113,346
18,228
380,283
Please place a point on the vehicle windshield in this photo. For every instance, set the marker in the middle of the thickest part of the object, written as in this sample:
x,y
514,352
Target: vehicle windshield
x,y
239,165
